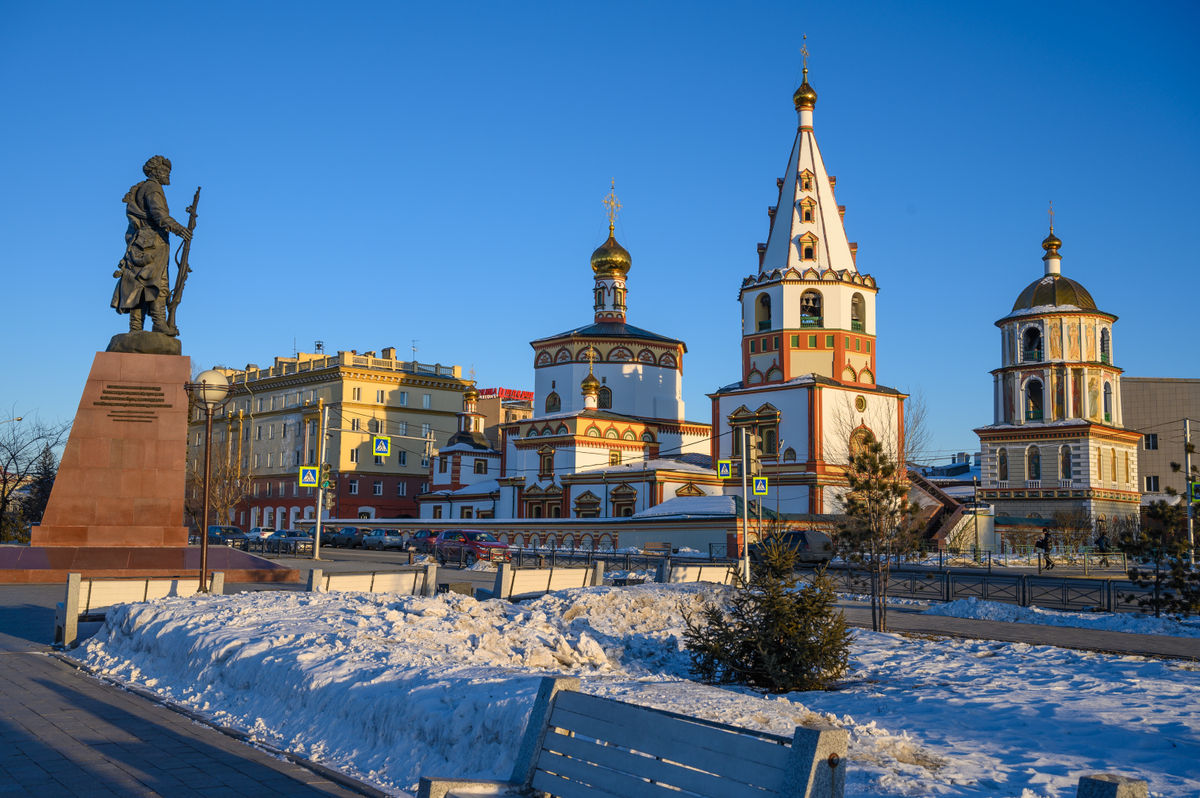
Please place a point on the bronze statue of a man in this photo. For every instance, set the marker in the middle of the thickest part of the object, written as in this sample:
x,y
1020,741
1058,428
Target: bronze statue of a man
x,y
142,285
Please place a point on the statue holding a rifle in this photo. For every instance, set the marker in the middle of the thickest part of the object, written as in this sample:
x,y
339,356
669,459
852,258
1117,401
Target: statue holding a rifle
x,y
142,279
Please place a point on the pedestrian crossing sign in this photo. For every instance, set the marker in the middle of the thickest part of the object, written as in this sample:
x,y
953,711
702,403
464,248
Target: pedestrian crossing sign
x,y
1195,486
760,486
724,469
382,445
309,476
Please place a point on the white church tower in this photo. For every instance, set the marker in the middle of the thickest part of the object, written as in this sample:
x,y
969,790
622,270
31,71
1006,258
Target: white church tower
x,y
808,343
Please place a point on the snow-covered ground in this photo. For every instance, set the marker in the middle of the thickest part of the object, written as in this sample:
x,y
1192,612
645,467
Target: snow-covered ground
x,y
389,688
1137,623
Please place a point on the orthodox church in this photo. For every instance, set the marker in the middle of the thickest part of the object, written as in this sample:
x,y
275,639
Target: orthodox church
x,y
808,382
608,437
1057,442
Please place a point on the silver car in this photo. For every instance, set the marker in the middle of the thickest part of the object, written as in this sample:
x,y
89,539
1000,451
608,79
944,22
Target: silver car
x,y
380,539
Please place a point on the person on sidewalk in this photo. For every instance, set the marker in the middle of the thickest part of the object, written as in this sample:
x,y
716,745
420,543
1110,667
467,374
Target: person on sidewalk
x,y
1102,549
1044,544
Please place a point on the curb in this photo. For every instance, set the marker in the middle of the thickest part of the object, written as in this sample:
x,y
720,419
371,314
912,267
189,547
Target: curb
x,y
335,776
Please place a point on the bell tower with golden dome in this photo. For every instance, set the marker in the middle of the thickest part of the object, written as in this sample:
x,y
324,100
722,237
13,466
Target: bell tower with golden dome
x,y
809,383
1057,442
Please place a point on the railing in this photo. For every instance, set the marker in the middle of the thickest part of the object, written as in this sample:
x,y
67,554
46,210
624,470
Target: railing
x,y
812,321
764,325
1033,415
1033,483
857,326
1031,355
1108,418
1104,358
1066,483
1003,483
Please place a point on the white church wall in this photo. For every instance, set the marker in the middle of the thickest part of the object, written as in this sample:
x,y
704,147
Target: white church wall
x,y
841,416
638,389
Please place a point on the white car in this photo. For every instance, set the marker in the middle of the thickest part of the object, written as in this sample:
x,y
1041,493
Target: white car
x,y
260,532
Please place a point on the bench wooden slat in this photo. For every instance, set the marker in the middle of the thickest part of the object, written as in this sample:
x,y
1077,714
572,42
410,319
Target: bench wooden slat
x,y
720,574
661,771
605,784
642,729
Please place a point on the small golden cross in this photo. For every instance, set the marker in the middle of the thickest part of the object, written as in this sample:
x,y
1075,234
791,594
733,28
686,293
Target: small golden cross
x,y
1051,216
804,51
614,207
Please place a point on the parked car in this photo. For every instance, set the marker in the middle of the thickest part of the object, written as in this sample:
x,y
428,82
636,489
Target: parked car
x,y
467,546
380,539
260,532
292,541
422,541
219,534
809,545
328,535
349,537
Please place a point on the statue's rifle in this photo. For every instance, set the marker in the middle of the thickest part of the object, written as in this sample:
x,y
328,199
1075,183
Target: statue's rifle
x,y
181,262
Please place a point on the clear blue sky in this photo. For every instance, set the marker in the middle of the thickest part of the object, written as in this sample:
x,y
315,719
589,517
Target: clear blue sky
x,y
377,173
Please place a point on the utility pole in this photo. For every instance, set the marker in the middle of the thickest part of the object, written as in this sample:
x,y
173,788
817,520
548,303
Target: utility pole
x,y
975,512
745,507
321,476
1187,487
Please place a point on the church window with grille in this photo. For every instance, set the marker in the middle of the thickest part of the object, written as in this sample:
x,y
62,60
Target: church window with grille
x,y
553,403
604,398
1034,463
810,309
1002,463
1033,401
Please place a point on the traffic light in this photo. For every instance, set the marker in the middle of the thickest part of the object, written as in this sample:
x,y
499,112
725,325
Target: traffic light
x,y
753,452
326,478
329,500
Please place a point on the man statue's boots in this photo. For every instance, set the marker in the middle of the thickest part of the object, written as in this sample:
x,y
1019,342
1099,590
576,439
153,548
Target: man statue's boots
x,y
160,320
137,318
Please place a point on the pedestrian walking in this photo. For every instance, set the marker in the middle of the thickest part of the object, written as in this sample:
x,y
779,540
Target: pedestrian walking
x,y
1102,549
1044,544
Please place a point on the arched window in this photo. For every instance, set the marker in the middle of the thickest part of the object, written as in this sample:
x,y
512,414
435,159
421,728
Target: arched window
x,y
1033,400
1064,468
1108,401
1033,463
1105,347
762,312
553,403
857,313
1031,344
789,455
1113,463
1002,457
604,399
810,309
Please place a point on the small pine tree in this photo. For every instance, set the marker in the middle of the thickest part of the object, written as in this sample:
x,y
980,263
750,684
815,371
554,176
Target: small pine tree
x,y
772,635
1159,558
40,485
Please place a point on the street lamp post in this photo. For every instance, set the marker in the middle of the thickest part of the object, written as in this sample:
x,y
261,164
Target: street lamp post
x,y
210,391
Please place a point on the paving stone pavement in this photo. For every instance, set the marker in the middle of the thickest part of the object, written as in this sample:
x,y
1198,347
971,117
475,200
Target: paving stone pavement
x,y
64,733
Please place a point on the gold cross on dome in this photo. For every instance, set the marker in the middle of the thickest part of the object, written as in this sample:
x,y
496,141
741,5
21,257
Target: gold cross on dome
x,y
804,50
614,207
590,354
1051,216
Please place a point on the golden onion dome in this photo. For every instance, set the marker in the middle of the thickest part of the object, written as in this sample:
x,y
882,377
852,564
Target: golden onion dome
x,y
590,385
471,395
611,258
1051,244
806,95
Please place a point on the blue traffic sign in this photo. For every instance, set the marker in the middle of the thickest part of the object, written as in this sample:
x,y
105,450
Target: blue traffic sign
x,y
724,469
309,476
760,486
382,445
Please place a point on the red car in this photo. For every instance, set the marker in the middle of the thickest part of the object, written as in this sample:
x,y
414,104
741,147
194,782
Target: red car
x,y
467,546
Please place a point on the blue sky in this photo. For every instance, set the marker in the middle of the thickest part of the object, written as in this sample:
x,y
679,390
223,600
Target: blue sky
x,y
378,173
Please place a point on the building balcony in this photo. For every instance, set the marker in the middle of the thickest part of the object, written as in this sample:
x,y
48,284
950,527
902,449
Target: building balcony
x,y
857,326
812,321
1003,484
1033,483
1031,355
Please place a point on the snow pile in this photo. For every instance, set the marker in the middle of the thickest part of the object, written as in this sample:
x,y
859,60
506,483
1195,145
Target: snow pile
x,y
389,688
1138,623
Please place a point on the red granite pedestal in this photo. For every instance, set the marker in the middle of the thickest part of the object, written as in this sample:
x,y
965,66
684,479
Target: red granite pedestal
x,y
117,504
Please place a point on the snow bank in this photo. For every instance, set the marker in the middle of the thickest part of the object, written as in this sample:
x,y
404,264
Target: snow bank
x,y
389,688
1137,623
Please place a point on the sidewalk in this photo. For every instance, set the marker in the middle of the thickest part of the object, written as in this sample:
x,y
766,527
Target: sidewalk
x,y
65,733
911,620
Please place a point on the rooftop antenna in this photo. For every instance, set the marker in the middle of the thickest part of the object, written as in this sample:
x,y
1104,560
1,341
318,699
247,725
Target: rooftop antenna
x,y
614,207
414,349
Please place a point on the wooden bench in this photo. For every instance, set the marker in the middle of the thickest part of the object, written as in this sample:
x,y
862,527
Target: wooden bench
x,y
577,745
413,580
673,572
657,548
517,583
90,599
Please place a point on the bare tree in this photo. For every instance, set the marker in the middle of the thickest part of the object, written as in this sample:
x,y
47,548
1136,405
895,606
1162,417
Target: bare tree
x,y
1074,526
916,429
22,443
231,477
